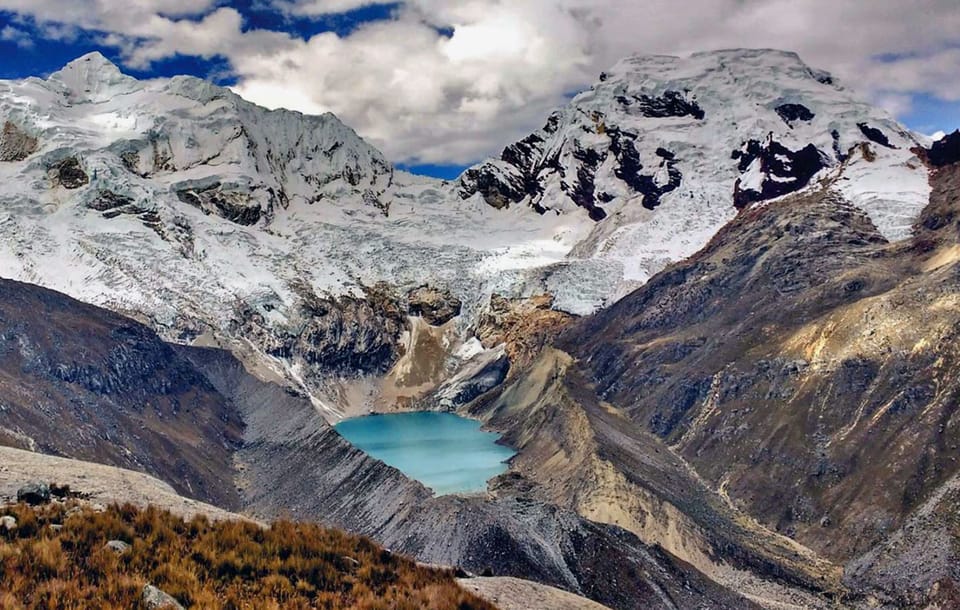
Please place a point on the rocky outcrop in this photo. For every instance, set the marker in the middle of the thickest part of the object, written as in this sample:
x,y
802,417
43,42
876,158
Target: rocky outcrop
x,y
793,113
117,546
669,104
498,186
15,143
234,205
875,135
769,170
107,201
34,493
68,173
945,151
481,374
524,326
346,334
435,306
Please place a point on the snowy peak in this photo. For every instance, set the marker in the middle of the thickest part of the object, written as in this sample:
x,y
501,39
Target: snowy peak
x,y
92,78
730,128
190,139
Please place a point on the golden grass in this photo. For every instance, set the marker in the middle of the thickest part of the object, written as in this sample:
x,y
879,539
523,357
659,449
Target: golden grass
x,y
226,564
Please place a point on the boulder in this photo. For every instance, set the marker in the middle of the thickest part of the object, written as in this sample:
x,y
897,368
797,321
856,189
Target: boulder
x,y
435,306
34,493
117,546
155,599
8,523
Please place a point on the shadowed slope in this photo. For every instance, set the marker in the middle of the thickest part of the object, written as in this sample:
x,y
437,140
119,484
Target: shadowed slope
x,y
83,382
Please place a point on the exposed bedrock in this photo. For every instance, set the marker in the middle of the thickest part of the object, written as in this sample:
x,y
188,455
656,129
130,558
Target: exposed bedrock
x,y
946,150
434,305
15,143
68,173
524,326
787,358
236,205
769,170
345,334
793,113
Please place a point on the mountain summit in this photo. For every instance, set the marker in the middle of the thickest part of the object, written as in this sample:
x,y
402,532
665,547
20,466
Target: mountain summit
x,y
694,140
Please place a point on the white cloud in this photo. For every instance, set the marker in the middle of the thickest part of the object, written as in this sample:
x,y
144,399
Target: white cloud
x,y
323,7
18,37
423,96
897,104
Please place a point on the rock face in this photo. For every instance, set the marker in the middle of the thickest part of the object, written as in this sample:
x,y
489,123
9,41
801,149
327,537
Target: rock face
x,y
788,357
770,170
523,326
945,151
347,335
15,144
235,206
792,113
435,306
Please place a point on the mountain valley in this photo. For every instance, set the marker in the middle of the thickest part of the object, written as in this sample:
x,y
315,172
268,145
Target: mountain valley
x,y
711,305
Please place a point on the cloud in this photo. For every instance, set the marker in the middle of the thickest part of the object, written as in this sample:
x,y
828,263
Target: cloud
x,y
423,95
897,104
18,37
324,7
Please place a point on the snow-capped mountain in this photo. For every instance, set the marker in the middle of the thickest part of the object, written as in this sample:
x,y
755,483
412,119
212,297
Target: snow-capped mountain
x,y
662,151
177,201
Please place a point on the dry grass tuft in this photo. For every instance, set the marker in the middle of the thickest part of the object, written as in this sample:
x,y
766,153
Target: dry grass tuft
x,y
228,564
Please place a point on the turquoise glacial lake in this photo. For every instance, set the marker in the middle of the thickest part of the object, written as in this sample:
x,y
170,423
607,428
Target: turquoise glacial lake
x,y
447,453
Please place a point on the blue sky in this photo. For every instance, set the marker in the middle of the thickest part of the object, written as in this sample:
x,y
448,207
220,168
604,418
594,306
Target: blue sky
x,y
438,85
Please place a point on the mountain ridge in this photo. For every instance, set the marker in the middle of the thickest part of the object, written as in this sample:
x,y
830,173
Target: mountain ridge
x,y
175,201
